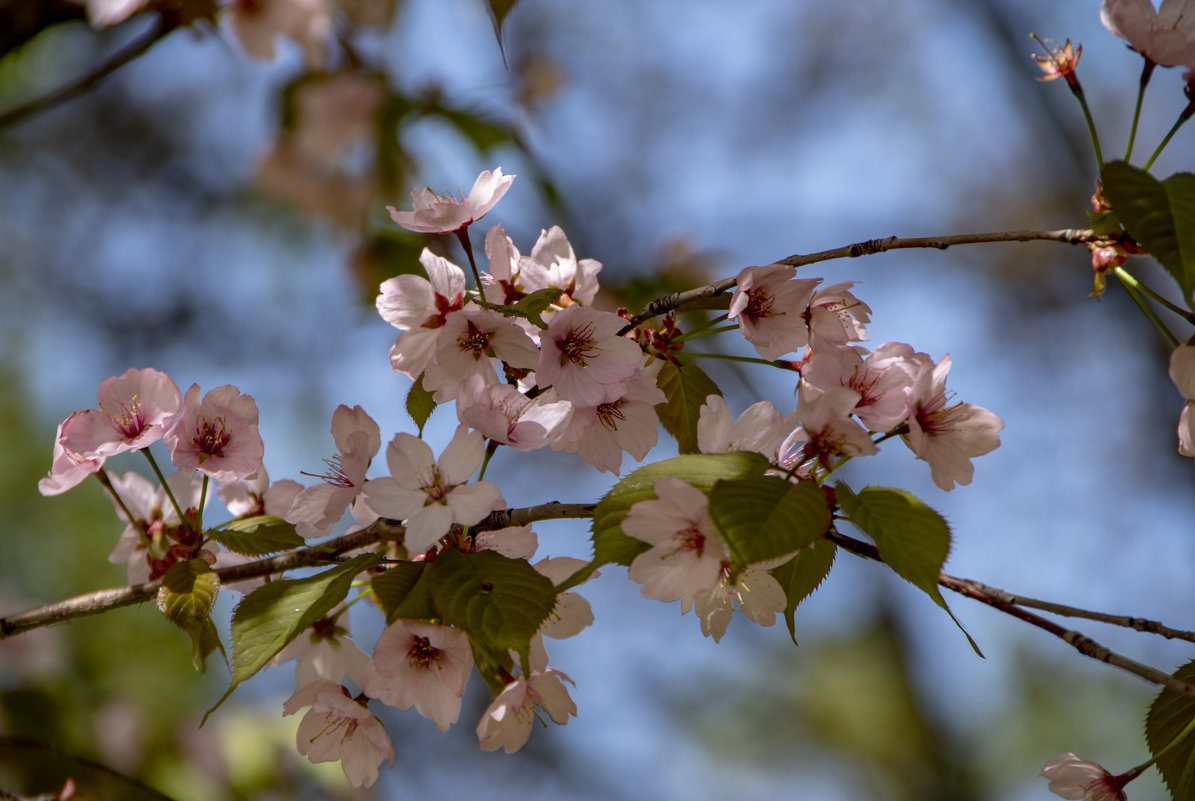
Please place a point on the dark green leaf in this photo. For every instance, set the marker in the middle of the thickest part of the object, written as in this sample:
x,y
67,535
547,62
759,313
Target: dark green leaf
x,y
401,593
686,389
1169,714
420,404
803,574
498,10
530,307
261,535
766,517
1103,223
1160,215
484,134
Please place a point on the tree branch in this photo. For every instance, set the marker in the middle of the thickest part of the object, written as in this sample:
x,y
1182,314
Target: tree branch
x,y
998,599
324,553
692,297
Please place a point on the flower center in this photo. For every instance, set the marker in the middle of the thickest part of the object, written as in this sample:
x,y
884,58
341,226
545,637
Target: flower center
x,y
211,437
130,421
759,303
474,340
577,346
610,415
422,655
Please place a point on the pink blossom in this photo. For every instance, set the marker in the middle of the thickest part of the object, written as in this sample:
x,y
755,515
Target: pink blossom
x,y
66,471
836,317
429,496
444,214
134,411
102,13
601,434
686,556
507,721
339,727
948,436
1077,780
218,435
572,614
1165,36
884,381
552,263
758,594
768,304
827,422
469,344
1182,370
760,429
502,413
325,653
419,306
421,665
318,508
153,513
516,542
501,281
257,496
583,357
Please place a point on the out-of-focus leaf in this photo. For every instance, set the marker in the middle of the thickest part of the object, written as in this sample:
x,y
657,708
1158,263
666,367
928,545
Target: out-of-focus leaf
x,y
484,134
686,389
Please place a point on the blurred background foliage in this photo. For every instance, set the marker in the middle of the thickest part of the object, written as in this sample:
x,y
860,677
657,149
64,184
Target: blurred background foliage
x,y
223,219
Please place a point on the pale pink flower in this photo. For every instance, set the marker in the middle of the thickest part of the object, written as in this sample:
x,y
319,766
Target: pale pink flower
x,y
686,554
627,423
552,263
1165,36
257,496
572,614
501,283
152,512
583,357
769,304
102,13
218,435
469,344
134,411
324,653
419,306
759,596
317,509
827,422
515,542
836,317
507,721
1077,780
339,727
1182,370
502,413
429,496
421,665
444,214
760,428
66,471
1186,430
258,23
884,381
948,436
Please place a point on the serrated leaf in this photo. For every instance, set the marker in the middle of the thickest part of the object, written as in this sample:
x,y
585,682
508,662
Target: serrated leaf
x,y
912,538
268,618
766,517
803,574
491,597
704,470
260,535
188,591
400,592
1168,715
420,404
1160,215
1103,223
686,389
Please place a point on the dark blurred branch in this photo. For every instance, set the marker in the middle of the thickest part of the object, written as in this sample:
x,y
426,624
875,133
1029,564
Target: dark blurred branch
x,y
998,599
161,27
693,297
321,554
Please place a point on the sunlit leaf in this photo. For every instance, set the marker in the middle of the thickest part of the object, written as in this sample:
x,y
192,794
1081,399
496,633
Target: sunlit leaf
x,y
186,597
803,574
766,517
260,535
420,404
686,389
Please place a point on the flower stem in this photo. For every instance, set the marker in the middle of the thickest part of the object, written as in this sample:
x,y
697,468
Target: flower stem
x,y
202,503
1146,74
1125,275
1182,119
462,234
1095,137
138,525
1133,773
1131,286
745,359
698,333
490,448
166,488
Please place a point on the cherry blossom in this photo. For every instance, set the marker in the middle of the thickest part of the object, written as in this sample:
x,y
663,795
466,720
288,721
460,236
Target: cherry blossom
x,y
760,428
516,542
948,436
500,284
826,421
1165,36
768,303
257,496
1077,780
444,214
572,614
552,263
758,594
66,471
218,435
419,307
102,13
1182,373
686,556
601,434
503,414
468,345
318,508
507,722
583,357
421,665
339,727
134,411
1060,61
836,317
884,381
153,513
325,653
429,496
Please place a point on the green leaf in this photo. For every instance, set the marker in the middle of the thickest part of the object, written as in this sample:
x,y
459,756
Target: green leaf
x,y
261,535
420,404
803,574
766,517
1160,215
1103,223
484,134
686,389
1169,715
496,599
188,591
912,538
531,306
268,618
704,470
401,593
498,9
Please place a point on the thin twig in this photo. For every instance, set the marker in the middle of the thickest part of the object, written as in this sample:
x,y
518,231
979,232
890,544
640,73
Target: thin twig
x,y
323,553
161,27
691,298
997,599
